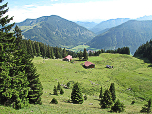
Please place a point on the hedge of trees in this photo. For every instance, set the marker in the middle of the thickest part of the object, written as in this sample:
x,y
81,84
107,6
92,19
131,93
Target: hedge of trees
x,y
145,51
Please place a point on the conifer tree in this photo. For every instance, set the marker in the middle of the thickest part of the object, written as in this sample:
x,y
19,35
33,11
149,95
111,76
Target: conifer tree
x,y
34,84
64,54
76,94
55,92
52,53
58,86
34,50
37,47
57,53
106,100
80,55
61,91
48,53
118,107
30,48
100,96
13,82
85,54
146,107
112,90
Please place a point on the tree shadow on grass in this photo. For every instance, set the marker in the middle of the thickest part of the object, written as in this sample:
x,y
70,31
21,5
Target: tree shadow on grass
x,y
97,99
149,65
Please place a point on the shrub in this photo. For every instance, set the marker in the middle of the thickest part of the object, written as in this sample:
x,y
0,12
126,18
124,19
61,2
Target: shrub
x,y
54,101
68,84
55,91
61,91
118,107
146,107
133,102
85,97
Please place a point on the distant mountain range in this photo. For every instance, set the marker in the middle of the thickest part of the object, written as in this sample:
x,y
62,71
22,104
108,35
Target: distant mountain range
x,y
108,24
132,34
55,31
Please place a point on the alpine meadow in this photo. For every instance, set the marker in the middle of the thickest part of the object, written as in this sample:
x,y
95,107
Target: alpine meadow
x,y
50,65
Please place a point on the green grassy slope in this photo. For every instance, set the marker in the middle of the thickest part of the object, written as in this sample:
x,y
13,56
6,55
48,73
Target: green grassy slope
x,y
132,78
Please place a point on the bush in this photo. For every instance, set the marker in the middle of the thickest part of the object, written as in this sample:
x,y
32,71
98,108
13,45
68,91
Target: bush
x,y
146,107
118,107
61,91
85,97
68,84
133,102
54,101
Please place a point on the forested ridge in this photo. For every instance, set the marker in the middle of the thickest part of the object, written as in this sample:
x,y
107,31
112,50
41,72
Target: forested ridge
x,y
145,51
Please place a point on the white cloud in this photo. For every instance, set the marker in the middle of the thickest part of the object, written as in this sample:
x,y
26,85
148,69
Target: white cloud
x,y
86,11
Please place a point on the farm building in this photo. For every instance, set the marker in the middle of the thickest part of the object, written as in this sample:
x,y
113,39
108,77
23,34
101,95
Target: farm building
x,y
67,58
88,64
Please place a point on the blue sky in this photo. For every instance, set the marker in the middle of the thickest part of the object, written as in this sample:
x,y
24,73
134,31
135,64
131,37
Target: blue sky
x,y
79,10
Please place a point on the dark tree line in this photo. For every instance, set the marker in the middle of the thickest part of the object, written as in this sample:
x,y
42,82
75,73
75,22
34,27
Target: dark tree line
x,y
123,50
145,51
35,48
19,82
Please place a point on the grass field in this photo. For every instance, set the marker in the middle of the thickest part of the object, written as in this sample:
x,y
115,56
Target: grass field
x,y
132,78
81,47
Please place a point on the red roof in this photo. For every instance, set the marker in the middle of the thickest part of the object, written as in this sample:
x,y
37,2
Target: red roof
x,y
68,57
87,63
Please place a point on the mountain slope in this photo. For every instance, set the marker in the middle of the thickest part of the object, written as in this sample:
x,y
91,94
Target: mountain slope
x,y
55,31
88,25
108,24
131,34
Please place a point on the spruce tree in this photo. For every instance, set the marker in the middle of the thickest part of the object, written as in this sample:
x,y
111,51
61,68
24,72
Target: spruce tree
x,y
52,53
34,84
112,90
58,86
37,47
146,107
80,55
118,107
100,96
106,100
55,92
30,48
13,82
61,91
48,52
64,54
76,94
85,54
57,53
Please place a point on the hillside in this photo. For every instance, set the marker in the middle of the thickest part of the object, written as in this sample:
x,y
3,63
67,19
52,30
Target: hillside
x,y
108,24
132,78
88,25
55,31
131,34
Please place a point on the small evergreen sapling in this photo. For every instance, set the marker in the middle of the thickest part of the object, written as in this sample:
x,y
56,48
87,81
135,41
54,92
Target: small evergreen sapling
x,y
118,107
146,107
54,101
112,90
76,94
106,100
55,91
59,86
61,91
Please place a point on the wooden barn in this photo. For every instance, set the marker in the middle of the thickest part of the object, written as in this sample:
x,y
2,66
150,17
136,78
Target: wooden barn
x,y
88,64
67,58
